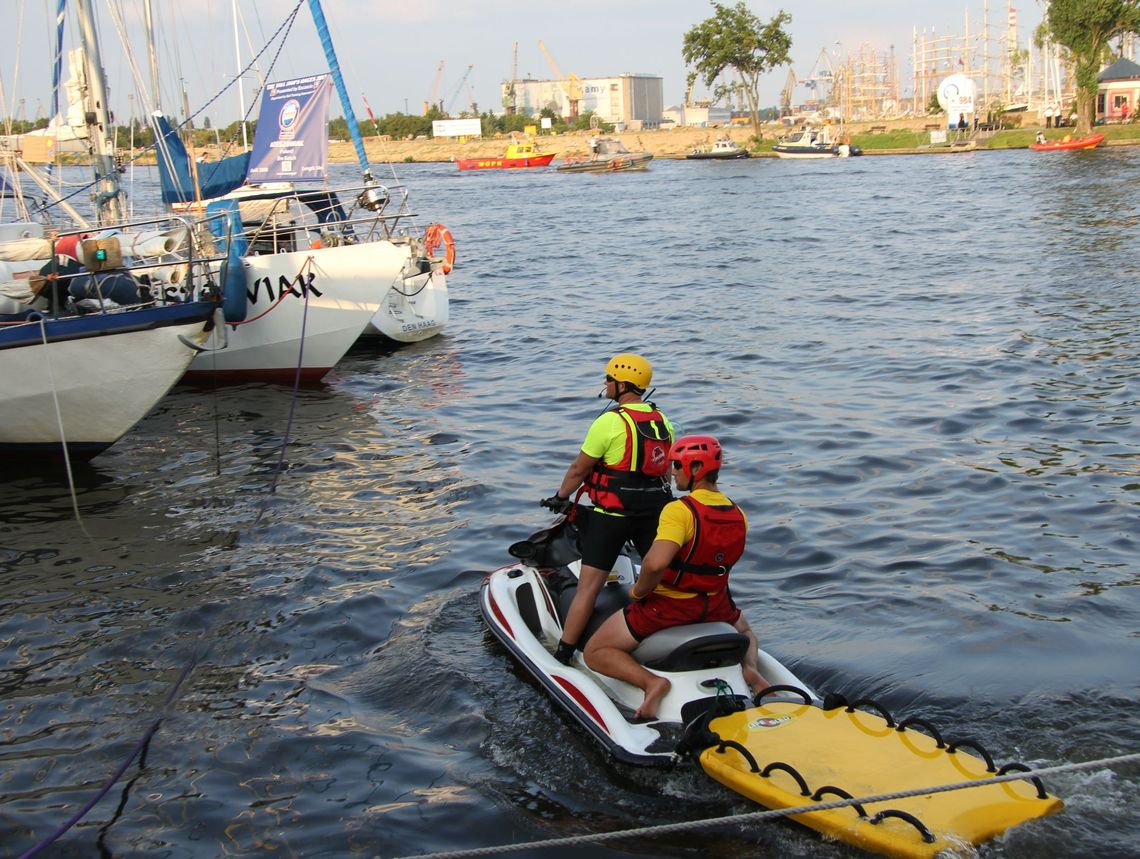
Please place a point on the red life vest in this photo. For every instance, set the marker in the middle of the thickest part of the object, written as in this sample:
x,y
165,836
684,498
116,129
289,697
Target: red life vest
x,y
703,564
638,483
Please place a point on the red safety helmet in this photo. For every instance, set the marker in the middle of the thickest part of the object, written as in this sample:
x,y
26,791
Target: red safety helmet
x,y
696,448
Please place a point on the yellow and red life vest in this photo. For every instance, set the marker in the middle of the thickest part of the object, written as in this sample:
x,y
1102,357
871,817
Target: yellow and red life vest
x,y
638,483
704,562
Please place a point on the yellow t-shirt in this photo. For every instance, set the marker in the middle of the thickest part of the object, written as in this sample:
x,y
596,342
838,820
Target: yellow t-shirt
x,y
677,525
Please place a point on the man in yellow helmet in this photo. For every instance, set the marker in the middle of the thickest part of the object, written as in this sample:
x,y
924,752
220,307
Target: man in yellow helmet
x,y
624,464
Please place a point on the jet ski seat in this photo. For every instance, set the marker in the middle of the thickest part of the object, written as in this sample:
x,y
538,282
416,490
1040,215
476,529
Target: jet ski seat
x,y
692,647
612,598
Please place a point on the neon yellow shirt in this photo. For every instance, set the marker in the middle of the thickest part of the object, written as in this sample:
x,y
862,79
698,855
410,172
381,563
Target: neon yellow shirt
x,y
605,439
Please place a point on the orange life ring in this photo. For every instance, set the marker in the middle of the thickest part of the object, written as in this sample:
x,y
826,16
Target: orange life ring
x,y
435,234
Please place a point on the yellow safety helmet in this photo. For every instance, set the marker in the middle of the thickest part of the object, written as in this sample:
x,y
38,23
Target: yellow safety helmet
x,y
631,368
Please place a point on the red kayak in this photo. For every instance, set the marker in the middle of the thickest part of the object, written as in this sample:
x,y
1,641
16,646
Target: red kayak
x,y
1090,142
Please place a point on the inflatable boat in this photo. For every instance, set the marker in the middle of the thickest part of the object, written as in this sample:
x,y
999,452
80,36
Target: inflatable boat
x,y
785,748
1067,143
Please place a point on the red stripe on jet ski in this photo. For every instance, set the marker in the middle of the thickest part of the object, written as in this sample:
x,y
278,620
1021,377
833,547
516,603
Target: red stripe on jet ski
x,y
546,597
499,617
582,700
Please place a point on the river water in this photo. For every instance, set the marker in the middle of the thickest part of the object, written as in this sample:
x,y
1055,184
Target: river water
x,y
924,373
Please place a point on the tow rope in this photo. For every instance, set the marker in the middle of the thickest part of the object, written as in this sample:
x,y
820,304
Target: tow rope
x,y
774,814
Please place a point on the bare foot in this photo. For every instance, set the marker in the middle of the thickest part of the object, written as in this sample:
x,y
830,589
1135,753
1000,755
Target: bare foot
x,y
656,690
755,680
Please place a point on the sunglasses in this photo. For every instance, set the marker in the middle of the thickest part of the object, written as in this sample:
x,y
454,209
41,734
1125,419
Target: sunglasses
x,y
610,379
676,463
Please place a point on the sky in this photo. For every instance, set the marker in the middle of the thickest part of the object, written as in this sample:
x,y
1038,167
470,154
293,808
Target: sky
x,y
390,50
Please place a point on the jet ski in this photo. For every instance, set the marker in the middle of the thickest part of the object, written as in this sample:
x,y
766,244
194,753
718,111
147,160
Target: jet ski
x,y
525,603
783,748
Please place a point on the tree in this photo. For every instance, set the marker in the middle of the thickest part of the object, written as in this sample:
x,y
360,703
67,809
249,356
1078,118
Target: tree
x,y
734,38
1085,28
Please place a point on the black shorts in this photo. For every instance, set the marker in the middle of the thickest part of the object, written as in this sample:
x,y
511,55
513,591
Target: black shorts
x,y
605,535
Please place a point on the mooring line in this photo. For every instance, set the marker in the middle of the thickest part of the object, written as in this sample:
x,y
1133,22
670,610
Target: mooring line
x,y
171,696
773,814
306,265
62,433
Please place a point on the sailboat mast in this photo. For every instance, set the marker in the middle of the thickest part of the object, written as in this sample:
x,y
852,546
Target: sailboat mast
x,y
338,82
240,81
150,40
108,199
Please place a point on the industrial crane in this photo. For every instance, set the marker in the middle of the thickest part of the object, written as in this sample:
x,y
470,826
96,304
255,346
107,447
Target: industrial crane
x,y
571,84
822,72
786,94
430,103
458,89
511,94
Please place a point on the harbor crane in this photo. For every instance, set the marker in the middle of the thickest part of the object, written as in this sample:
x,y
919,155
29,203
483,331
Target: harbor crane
x,y
822,72
786,94
511,93
571,84
430,103
458,89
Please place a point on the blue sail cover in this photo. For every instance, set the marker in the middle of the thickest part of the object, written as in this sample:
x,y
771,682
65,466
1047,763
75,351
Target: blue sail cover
x,y
215,178
291,143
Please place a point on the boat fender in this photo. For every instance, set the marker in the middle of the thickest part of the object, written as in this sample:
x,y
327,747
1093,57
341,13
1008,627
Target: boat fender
x,y
234,298
435,234
68,245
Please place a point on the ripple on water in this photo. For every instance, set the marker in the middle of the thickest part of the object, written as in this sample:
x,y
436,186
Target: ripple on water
x,y
928,412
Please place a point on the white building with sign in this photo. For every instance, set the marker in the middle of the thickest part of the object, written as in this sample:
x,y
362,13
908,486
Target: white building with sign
x,y
636,101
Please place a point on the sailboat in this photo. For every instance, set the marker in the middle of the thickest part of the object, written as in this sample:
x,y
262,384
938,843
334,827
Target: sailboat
x,y
94,331
320,266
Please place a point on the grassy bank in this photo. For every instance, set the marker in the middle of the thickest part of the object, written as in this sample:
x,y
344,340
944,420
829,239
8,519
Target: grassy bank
x,y
1013,138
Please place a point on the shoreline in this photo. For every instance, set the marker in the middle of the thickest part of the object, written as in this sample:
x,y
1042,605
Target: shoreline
x,y
678,142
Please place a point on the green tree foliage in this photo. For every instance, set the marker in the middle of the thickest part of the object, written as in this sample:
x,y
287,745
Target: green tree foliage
x,y
736,39
401,126
1085,28
506,123
338,128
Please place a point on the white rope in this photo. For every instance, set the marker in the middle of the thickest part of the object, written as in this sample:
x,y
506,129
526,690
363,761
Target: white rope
x,y
756,816
59,423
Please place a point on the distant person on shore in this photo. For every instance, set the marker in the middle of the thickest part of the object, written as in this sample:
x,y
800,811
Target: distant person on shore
x,y
1048,117
1123,112
962,124
624,464
684,577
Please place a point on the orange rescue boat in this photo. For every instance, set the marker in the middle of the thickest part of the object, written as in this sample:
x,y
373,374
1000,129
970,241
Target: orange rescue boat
x,y
1090,142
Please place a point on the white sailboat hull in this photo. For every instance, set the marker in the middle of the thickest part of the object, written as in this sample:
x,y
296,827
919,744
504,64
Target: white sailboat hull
x,y
415,309
96,386
326,296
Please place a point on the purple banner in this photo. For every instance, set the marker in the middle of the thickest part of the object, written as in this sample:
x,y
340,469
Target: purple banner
x,y
292,139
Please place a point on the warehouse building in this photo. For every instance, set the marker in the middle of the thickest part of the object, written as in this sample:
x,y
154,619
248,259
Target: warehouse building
x,y
632,101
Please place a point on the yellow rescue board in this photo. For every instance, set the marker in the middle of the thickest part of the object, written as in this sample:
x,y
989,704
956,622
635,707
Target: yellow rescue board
x,y
861,754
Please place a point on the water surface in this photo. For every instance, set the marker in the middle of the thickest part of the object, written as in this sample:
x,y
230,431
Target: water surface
x,y
924,373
